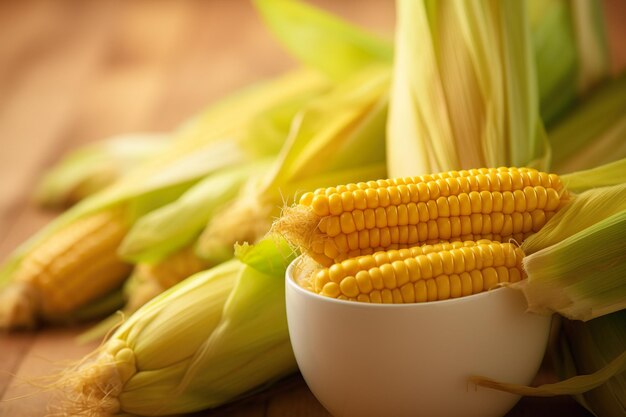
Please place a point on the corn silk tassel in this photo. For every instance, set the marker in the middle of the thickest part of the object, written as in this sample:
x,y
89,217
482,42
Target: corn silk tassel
x,y
93,167
35,273
209,340
464,91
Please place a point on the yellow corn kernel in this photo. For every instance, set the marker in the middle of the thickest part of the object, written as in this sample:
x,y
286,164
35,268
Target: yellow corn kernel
x,y
425,273
74,266
500,203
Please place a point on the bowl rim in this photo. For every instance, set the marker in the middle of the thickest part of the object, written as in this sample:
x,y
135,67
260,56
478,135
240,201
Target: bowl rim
x,y
290,281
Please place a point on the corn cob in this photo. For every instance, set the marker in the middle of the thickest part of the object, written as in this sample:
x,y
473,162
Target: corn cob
x,y
332,224
208,340
421,273
74,267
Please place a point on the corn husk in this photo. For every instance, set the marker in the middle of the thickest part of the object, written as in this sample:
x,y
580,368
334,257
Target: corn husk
x,y
146,282
207,341
321,40
613,173
570,52
464,93
217,139
575,263
176,225
594,132
582,276
93,167
337,138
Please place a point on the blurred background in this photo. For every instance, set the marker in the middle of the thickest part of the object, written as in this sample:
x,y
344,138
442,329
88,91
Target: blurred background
x,y
75,71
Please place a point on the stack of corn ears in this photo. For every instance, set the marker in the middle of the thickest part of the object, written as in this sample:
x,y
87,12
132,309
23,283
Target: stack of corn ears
x,y
73,262
319,136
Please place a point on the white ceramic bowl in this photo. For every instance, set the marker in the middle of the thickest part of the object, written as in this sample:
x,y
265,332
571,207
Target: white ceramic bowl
x,y
380,360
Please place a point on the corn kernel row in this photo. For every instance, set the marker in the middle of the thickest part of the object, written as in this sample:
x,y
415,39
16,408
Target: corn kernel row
x,y
422,273
491,203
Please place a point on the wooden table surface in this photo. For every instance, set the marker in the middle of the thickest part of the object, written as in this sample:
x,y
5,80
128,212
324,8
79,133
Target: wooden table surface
x,y
73,72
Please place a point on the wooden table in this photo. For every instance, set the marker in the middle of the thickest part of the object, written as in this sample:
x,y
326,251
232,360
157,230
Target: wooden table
x,y
72,72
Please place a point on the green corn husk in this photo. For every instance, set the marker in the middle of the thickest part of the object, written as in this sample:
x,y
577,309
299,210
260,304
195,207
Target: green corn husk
x,y
594,132
176,225
95,166
209,340
146,282
575,263
570,51
613,173
217,139
464,93
337,138
582,276
322,40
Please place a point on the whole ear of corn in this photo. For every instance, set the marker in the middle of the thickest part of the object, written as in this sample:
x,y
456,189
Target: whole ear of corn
x,y
208,340
336,223
215,140
77,266
420,273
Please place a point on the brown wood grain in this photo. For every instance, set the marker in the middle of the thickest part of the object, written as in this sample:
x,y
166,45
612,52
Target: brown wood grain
x,y
72,72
